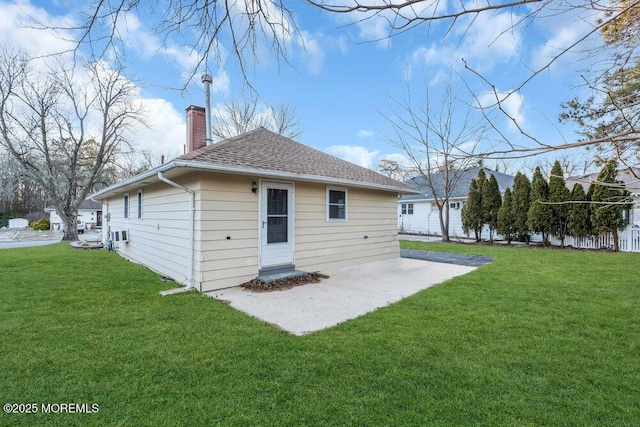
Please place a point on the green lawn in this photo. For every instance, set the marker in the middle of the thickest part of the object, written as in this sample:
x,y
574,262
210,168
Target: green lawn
x,y
538,337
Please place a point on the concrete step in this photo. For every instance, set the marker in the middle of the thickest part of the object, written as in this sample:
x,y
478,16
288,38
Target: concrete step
x,y
273,274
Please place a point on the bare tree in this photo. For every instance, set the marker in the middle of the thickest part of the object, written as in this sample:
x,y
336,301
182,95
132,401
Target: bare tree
x,y
239,29
216,31
20,195
61,130
394,169
239,117
285,121
614,38
127,164
439,138
570,163
9,175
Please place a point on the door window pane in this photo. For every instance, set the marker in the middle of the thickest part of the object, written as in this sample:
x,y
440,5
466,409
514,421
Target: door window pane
x,y
277,229
276,201
277,215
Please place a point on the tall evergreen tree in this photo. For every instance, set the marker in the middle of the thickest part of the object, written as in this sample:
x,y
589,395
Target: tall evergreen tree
x,y
540,216
521,202
579,217
472,212
506,220
481,179
610,201
491,202
559,195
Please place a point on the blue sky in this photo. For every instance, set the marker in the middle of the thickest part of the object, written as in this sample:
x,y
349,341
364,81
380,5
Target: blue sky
x,y
341,78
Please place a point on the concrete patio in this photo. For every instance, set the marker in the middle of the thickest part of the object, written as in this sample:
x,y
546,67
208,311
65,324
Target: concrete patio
x,y
349,292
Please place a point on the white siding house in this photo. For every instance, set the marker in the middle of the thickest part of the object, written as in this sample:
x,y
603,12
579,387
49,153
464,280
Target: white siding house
x,y
18,223
90,213
222,214
418,213
422,217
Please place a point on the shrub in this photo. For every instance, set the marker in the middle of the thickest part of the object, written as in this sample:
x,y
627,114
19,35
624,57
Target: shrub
x,y
41,224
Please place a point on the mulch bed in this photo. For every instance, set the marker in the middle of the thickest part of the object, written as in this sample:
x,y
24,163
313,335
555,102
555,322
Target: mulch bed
x,y
86,245
257,285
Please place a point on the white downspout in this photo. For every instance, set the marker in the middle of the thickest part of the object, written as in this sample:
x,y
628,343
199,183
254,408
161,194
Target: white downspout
x,y
192,204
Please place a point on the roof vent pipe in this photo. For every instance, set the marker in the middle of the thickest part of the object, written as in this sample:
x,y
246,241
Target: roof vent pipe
x,y
207,80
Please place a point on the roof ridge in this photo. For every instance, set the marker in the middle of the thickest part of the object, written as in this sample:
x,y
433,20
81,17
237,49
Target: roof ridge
x,y
264,150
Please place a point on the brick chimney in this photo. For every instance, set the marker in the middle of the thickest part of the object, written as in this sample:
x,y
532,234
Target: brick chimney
x,y
196,128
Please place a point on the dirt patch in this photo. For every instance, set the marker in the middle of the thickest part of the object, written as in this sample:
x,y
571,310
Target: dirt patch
x,y
257,285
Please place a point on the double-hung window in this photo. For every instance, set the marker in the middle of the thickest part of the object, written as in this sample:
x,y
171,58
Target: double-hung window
x,y
407,209
336,204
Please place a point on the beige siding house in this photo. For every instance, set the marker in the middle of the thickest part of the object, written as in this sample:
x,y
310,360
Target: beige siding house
x,y
223,214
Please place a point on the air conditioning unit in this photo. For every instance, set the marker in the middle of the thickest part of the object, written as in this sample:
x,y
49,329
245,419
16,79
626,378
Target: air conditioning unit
x,y
119,236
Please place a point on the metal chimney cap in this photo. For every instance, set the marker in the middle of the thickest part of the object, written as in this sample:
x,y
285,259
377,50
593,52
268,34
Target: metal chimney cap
x,y
206,78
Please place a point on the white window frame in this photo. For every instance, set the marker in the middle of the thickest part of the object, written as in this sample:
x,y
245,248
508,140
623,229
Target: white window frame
x,y
346,204
139,204
406,208
126,203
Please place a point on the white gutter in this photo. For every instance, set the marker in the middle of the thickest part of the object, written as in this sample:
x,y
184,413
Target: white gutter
x,y
192,205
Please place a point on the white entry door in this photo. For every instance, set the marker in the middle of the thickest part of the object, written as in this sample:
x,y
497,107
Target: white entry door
x,y
276,224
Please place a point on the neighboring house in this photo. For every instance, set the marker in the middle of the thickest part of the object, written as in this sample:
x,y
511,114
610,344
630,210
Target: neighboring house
x,y
630,176
220,215
90,212
418,213
18,223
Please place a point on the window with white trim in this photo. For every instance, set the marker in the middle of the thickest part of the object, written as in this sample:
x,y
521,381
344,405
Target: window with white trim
x,y
336,203
126,205
407,209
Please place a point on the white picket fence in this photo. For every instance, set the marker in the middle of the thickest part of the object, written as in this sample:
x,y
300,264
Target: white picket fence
x,y
628,240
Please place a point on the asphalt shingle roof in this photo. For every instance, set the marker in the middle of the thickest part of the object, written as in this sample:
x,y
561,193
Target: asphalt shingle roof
x,y
264,150
461,190
90,204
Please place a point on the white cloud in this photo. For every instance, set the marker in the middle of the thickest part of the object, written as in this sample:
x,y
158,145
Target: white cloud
x,y
431,58
147,45
363,133
491,39
166,132
313,51
511,102
314,48
376,29
358,155
376,26
562,36
402,159
17,30
484,42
